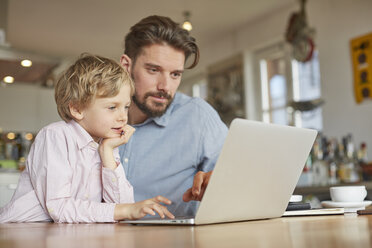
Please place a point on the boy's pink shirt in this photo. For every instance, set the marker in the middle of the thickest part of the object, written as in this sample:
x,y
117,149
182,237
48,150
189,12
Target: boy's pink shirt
x,y
64,180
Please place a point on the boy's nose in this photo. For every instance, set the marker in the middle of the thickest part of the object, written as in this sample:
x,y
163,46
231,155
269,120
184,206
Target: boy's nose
x,y
123,116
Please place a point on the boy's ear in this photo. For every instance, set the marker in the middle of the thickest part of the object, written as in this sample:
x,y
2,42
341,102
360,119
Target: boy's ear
x,y
126,62
76,112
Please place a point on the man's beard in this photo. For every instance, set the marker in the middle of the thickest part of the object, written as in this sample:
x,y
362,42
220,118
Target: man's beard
x,y
153,111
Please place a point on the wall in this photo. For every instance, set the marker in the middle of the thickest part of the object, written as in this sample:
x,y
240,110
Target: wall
x,y
29,107
25,107
336,23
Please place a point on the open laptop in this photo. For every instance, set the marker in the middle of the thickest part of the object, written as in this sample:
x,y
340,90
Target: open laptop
x,y
255,175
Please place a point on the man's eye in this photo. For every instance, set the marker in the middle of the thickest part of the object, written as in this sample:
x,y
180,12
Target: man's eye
x,y
176,74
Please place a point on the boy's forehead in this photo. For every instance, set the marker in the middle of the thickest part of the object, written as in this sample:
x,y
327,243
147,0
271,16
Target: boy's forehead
x,y
111,100
124,94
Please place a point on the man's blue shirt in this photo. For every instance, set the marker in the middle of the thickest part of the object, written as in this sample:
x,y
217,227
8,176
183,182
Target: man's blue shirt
x,y
165,153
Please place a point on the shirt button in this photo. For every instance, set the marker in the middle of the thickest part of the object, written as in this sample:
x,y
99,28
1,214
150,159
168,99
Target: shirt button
x,y
113,179
126,160
86,196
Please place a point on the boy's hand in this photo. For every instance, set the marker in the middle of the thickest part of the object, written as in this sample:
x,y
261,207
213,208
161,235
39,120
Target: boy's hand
x,y
117,141
141,209
107,146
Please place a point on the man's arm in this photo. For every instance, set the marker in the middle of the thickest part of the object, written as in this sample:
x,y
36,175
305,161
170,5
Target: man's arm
x,y
213,134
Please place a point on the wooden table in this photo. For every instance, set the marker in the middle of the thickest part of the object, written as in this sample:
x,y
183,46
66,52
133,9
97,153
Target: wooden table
x,y
315,231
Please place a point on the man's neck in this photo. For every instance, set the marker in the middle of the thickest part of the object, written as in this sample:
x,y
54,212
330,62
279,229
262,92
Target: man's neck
x,y
135,115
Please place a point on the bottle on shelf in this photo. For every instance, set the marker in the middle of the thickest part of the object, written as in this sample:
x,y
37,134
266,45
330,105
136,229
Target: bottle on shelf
x,y
362,154
352,161
343,172
364,165
8,150
319,166
331,161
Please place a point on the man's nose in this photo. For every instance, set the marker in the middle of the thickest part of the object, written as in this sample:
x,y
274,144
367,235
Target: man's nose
x,y
164,83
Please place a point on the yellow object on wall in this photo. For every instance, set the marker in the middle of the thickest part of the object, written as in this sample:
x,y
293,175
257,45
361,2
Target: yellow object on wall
x,y
361,52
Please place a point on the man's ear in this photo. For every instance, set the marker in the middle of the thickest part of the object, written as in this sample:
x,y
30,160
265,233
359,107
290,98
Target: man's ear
x,y
76,112
126,62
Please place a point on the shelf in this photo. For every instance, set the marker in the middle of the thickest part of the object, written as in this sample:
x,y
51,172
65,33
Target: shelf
x,y
324,190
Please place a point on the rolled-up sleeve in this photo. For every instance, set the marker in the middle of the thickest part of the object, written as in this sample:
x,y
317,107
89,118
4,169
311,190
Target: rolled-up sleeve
x,y
52,176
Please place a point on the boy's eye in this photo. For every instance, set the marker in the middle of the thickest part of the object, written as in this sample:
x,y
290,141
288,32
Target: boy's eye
x,y
112,107
152,69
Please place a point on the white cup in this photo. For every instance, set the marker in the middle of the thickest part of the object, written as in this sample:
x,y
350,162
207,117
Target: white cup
x,y
348,193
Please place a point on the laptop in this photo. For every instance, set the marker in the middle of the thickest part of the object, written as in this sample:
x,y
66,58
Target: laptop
x,y
255,174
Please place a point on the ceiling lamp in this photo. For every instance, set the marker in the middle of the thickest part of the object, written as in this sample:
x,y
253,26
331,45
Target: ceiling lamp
x,y
8,79
187,24
29,136
11,136
26,63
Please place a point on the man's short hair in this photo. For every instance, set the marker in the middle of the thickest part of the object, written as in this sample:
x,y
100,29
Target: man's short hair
x,y
89,77
160,30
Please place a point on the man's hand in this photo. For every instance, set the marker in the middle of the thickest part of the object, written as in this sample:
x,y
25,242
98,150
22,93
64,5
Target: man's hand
x,y
201,180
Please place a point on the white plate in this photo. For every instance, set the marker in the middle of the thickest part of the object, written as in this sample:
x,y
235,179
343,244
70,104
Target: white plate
x,y
295,198
332,204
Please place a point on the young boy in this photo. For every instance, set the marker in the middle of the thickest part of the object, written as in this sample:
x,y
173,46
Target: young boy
x,y
73,171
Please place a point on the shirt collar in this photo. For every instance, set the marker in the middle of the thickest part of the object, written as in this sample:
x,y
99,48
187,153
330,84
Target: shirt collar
x,y
83,138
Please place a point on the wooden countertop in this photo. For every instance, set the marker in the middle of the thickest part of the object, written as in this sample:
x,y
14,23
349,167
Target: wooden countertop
x,y
311,231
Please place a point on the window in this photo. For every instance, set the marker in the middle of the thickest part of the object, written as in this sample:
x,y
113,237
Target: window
x,y
199,89
273,90
283,80
306,86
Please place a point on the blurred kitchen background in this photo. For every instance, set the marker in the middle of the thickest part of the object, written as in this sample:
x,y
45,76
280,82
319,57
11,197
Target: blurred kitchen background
x,y
303,63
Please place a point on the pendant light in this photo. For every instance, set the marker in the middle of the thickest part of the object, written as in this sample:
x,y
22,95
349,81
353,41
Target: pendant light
x,y
187,24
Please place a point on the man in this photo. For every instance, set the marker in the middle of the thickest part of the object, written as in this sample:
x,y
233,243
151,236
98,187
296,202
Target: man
x,y
178,138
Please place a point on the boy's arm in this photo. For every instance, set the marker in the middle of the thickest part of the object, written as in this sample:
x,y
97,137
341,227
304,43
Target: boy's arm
x,y
51,175
116,187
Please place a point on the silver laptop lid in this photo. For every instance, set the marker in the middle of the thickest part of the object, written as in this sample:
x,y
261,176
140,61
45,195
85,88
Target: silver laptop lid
x,y
256,172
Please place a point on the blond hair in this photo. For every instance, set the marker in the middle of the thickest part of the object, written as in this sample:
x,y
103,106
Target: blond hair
x,y
89,77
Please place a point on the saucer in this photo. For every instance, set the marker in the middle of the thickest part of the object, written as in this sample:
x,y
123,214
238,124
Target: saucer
x,y
349,206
